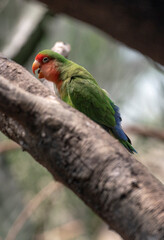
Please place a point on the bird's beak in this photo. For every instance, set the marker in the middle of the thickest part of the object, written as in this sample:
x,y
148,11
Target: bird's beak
x,y
36,66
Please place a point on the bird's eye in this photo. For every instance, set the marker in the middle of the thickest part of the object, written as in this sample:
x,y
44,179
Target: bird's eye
x,y
45,59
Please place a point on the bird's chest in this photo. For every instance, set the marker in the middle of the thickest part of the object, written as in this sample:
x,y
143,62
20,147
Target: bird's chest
x,y
52,74
64,93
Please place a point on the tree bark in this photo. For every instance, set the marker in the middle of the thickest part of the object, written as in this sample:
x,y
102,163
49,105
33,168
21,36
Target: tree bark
x,y
139,24
81,155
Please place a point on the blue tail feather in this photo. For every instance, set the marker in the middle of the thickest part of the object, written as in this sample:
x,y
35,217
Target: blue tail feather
x,y
118,131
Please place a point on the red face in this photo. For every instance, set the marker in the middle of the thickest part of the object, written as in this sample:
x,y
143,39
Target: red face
x,y
47,68
40,61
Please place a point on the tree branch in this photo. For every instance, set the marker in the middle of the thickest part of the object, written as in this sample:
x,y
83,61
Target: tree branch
x,y
139,24
6,146
147,132
81,155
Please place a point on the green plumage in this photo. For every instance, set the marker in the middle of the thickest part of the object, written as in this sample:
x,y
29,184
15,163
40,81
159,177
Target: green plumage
x,y
80,90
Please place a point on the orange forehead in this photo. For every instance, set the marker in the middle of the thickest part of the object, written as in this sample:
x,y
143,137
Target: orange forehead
x,y
40,57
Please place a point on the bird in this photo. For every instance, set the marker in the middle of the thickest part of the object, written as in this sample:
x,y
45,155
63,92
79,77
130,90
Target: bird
x,y
78,88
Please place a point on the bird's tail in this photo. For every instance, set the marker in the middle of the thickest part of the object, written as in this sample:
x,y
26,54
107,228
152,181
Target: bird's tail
x,y
128,146
118,133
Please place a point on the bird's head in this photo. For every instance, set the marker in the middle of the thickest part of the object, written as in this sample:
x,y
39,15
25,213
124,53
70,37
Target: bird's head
x,y
47,64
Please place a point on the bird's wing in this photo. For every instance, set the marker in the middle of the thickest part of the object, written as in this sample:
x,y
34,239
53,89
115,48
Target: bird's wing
x,y
91,100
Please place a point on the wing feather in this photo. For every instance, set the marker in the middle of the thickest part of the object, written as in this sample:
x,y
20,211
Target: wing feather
x,y
91,100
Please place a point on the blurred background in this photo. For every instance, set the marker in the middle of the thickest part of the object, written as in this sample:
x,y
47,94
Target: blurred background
x,y
32,205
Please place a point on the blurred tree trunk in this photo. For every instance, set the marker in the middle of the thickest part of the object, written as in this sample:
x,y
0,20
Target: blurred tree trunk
x,y
137,23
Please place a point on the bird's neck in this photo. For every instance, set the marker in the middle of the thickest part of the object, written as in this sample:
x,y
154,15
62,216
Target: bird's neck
x,y
51,73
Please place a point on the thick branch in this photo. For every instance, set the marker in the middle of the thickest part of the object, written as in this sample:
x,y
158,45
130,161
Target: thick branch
x,y
139,24
81,155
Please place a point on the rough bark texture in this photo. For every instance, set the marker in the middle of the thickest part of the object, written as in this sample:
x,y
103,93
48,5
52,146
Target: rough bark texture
x,y
138,23
81,155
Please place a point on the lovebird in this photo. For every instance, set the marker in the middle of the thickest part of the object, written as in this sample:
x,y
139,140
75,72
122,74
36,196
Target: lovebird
x,y
78,88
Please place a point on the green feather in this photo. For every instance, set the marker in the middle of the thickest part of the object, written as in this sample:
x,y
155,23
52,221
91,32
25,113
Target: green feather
x,y
54,55
81,91
89,99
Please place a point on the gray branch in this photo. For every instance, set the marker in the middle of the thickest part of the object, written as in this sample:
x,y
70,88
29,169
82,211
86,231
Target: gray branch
x,y
81,155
